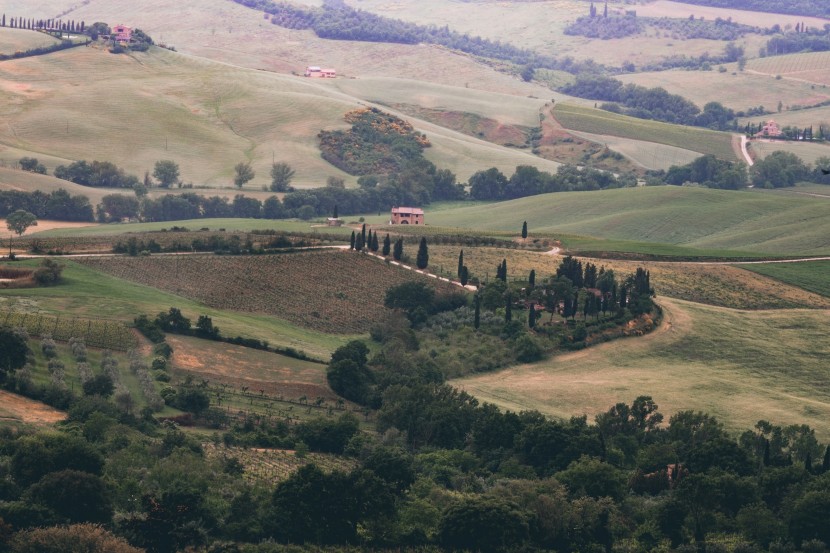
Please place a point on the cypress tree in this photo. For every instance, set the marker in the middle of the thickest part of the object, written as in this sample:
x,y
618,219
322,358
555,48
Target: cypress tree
x,y
375,245
334,215
524,229
363,233
387,245
422,261
369,240
531,280
359,242
508,308
605,11
460,262
808,463
531,316
397,253
464,276
352,241
477,318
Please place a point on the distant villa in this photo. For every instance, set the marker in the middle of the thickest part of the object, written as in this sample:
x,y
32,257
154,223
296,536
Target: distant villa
x,y
771,129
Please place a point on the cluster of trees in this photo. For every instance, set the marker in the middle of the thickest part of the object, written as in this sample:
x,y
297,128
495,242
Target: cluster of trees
x,y
527,180
606,27
649,103
781,169
58,205
41,50
102,174
70,26
808,40
708,171
715,29
790,132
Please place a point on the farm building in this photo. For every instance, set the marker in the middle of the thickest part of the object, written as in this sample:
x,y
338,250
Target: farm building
x,y
407,216
770,129
314,71
334,222
122,33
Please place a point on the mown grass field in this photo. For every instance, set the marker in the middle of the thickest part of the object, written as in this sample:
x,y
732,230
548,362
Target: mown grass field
x,y
812,275
796,118
88,293
20,40
740,91
737,365
596,121
808,152
710,221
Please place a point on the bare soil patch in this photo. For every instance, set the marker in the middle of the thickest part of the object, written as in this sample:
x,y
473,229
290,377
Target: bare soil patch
x,y
16,408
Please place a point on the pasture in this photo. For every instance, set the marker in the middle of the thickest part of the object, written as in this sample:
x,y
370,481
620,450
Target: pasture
x,y
707,220
20,40
597,121
739,91
737,365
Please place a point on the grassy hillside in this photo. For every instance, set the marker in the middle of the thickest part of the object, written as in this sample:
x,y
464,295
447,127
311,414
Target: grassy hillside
x,y
808,275
739,91
19,40
739,366
649,155
691,217
807,66
667,8
598,121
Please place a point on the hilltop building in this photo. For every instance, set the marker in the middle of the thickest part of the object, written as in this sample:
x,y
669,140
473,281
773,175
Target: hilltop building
x,y
770,130
122,34
317,72
407,216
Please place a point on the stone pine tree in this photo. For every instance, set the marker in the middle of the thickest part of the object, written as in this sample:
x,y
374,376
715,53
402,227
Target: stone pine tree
x,y
387,245
352,242
524,230
477,316
422,260
397,252
531,316
460,262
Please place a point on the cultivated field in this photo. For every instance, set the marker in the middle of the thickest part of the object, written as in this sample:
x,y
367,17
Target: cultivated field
x,y
334,292
691,217
740,91
813,67
596,121
667,8
20,40
739,366
808,275
797,118
649,155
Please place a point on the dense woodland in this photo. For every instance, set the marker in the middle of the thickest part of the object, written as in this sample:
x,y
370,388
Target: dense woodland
x,y
616,26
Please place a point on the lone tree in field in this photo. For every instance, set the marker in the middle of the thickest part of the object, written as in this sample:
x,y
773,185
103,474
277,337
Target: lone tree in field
x,y
422,261
166,173
244,173
524,229
281,175
18,222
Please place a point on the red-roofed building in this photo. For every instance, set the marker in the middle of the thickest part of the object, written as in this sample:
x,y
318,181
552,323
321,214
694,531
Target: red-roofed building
x,y
122,33
771,129
407,216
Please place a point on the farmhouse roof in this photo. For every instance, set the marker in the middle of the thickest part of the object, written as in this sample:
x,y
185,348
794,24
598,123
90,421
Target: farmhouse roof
x,y
410,210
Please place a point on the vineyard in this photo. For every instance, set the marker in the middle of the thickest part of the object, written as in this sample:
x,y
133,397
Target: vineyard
x,y
329,291
95,332
272,466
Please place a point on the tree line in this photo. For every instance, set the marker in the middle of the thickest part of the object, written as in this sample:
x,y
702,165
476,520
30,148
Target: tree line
x,y
793,7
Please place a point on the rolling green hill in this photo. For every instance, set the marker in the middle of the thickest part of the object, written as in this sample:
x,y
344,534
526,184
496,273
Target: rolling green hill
x,y
691,217
19,40
597,121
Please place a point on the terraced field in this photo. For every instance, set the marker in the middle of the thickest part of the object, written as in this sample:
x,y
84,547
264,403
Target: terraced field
x,y
596,121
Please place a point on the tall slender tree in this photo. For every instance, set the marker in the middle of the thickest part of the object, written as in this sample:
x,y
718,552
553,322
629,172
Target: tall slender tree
x,y
531,316
524,230
397,252
460,262
508,307
387,245
352,242
375,246
477,315
465,275
422,260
